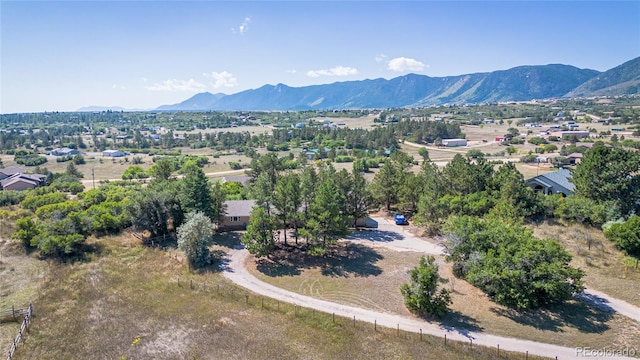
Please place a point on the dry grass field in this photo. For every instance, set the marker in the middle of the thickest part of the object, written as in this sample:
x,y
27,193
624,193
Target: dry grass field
x,y
608,270
371,278
127,301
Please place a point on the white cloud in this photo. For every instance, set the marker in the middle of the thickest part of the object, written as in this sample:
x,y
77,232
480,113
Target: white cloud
x,y
144,79
335,71
222,79
177,85
114,86
380,57
244,27
292,71
403,64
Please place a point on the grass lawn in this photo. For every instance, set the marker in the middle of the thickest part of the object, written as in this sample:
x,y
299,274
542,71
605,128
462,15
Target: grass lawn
x,y
371,278
127,301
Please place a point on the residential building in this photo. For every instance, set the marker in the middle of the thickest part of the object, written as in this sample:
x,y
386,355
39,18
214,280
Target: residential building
x,y
9,171
21,182
237,214
557,182
114,153
65,151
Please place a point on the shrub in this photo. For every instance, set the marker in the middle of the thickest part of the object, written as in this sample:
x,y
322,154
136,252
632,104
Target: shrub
x,y
421,294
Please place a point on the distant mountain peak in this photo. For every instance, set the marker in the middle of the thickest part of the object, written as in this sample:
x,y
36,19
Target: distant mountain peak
x,y
520,83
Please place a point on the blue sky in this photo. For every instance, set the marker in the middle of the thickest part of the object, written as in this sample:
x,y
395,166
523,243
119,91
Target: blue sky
x,y
60,56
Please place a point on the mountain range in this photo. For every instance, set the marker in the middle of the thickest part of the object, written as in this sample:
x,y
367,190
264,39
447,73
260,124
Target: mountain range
x,y
520,83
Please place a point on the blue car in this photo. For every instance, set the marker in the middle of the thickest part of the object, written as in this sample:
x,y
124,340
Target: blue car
x,y
400,219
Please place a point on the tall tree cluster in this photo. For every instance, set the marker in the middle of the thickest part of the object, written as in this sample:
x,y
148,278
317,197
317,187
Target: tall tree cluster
x,y
318,204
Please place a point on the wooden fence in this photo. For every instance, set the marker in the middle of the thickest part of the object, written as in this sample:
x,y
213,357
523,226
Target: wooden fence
x,y
23,327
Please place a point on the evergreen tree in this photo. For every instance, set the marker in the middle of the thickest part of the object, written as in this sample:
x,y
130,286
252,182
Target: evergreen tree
x,y
286,201
610,174
385,183
259,237
421,294
196,191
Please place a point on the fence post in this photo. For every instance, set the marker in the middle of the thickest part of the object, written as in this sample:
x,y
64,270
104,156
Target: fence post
x,y
334,317
263,301
420,334
526,355
398,331
246,298
354,321
445,339
13,312
375,325
498,349
471,343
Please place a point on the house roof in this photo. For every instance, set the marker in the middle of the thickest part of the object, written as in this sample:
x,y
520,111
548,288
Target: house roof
x,y
33,179
12,170
561,177
575,155
239,207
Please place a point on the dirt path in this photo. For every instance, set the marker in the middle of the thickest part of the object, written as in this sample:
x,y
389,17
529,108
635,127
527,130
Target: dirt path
x,y
394,237
236,272
209,174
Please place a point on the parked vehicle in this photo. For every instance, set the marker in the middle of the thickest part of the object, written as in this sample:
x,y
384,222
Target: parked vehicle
x,y
400,219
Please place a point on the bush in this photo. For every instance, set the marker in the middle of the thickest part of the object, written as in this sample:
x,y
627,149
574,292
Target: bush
x,y
626,236
30,159
344,159
421,295
235,165
11,197
508,263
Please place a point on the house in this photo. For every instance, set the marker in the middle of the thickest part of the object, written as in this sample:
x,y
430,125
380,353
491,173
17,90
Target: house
x,y
114,153
557,182
500,138
242,179
454,142
21,182
237,213
10,171
65,151
574,158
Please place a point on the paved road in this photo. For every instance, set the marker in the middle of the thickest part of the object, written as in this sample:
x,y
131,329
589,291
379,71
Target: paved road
x,y
394,237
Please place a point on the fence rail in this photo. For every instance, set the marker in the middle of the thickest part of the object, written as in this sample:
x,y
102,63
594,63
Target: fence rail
x,y
23,327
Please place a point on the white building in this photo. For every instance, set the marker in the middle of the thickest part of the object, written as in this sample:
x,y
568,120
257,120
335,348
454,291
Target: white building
x,y
114,153
454,142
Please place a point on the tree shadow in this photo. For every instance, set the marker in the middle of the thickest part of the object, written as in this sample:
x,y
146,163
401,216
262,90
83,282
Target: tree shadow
x,y
586,318
375,235
218,262
86,252
454,321
230,239
340,260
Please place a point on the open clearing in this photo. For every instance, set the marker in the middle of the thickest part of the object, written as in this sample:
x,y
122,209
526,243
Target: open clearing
x,y
371,277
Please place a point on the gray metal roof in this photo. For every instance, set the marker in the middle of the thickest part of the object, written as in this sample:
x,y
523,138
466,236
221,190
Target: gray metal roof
x,y
561,177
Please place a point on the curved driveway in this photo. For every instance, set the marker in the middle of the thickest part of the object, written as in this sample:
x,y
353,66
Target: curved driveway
x,y
393,237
